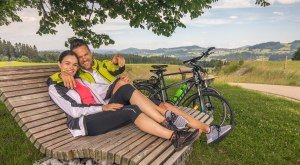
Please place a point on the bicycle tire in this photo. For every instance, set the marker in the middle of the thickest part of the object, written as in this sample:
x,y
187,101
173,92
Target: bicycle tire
x,y
217,107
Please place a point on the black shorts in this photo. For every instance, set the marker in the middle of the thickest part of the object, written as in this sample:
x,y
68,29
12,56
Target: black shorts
x,y
123,94
105,121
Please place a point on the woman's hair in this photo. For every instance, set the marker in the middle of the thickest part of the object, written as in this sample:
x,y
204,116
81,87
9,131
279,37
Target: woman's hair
x,y
64,54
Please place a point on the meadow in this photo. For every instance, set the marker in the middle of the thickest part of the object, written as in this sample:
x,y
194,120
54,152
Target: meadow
x,y
263,72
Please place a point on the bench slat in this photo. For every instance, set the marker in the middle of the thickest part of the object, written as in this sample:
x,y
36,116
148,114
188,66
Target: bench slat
x,y
39,143
33,131
112,153
41,116
93,146
29,96
23,82
29,71
43,121
9,68
81,151
23,93
22,87
26,76
37,106
48,132
35,112
18,104
119,155
137,158
96,145
125,140
126,158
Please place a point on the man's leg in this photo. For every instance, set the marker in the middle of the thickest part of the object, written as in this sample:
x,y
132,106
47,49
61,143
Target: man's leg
x,y
192,122
127,94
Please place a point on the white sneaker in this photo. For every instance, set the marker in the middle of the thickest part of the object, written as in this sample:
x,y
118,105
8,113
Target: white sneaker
x,y
176,120
217,133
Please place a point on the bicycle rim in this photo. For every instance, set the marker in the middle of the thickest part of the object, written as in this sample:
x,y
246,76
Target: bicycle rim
x,y
217,107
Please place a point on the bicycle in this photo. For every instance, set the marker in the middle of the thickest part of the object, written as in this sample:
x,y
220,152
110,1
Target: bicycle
x,y
207,99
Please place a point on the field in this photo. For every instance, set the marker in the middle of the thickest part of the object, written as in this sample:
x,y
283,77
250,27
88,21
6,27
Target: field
x,y
263,72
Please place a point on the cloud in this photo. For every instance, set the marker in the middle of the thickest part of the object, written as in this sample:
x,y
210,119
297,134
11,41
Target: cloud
x,y
206,21
224,4
278,13
233,17
284,1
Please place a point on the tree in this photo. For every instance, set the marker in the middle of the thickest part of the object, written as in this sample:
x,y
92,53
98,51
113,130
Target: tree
x,y
159,16
296,56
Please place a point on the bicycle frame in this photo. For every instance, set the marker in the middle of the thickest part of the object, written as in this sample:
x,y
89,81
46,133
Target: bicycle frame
x,y
193,81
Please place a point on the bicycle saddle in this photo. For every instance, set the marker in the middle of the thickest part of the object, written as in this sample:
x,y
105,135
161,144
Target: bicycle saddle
x,y
160,70
159,66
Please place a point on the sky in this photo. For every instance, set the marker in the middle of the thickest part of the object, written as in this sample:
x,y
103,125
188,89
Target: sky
x,y
228,24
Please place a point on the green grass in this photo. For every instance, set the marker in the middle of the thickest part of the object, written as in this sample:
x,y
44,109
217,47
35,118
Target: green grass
x,y
267,72
266,132
15,147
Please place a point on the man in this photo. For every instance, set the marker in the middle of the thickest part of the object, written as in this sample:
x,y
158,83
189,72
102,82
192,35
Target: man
x,y
103,76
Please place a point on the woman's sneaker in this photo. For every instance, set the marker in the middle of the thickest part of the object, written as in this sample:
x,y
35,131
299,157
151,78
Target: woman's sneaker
x,y
217,133
182,138
176,120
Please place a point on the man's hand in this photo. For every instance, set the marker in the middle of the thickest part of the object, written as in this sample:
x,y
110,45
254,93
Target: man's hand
x,y
68,80
112,107
118,60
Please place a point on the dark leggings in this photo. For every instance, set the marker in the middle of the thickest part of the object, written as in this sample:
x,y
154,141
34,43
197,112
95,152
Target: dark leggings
x,y
105,121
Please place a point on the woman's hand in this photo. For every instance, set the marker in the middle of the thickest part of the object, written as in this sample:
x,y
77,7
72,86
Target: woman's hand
x,y
112,107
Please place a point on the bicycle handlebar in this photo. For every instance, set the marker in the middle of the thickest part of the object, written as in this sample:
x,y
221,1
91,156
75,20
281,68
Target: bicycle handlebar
x,y
204,54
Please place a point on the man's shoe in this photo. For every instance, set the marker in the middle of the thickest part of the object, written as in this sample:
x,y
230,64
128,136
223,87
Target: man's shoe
x,y
182,138
168,125
217,133
176,120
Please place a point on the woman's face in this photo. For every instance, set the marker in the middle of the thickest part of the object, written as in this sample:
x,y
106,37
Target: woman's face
x,y
69,65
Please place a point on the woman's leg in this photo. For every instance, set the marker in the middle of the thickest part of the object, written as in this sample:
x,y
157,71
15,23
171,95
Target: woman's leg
x,y
150,126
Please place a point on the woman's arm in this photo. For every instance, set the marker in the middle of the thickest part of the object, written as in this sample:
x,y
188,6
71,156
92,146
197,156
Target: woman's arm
x,y
70,106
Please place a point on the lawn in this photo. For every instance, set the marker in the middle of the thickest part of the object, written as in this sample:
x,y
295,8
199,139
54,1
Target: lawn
x,y
266,132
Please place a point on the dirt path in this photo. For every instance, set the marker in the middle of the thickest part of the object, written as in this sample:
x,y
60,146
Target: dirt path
x,y
291,92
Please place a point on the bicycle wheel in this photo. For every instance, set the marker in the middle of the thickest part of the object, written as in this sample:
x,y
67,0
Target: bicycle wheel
x,y
216,105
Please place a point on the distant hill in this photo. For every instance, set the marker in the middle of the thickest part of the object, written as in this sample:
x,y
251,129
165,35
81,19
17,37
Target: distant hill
x,y
267,45
271,50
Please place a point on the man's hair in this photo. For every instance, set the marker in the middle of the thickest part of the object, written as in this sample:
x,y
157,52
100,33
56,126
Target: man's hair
x,y
64,54
75,43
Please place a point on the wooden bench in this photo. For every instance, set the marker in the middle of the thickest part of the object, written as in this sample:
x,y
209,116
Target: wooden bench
x,y
24,92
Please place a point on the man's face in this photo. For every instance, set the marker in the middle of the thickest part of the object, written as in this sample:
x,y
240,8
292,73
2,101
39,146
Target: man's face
x,y
84,57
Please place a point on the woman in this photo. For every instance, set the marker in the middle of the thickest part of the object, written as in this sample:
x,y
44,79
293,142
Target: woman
x,y
87,113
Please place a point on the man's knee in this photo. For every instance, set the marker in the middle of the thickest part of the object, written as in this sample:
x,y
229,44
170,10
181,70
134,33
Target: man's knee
x,y
133,110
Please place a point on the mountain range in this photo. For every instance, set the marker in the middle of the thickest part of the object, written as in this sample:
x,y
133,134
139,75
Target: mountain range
x,y
271,50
